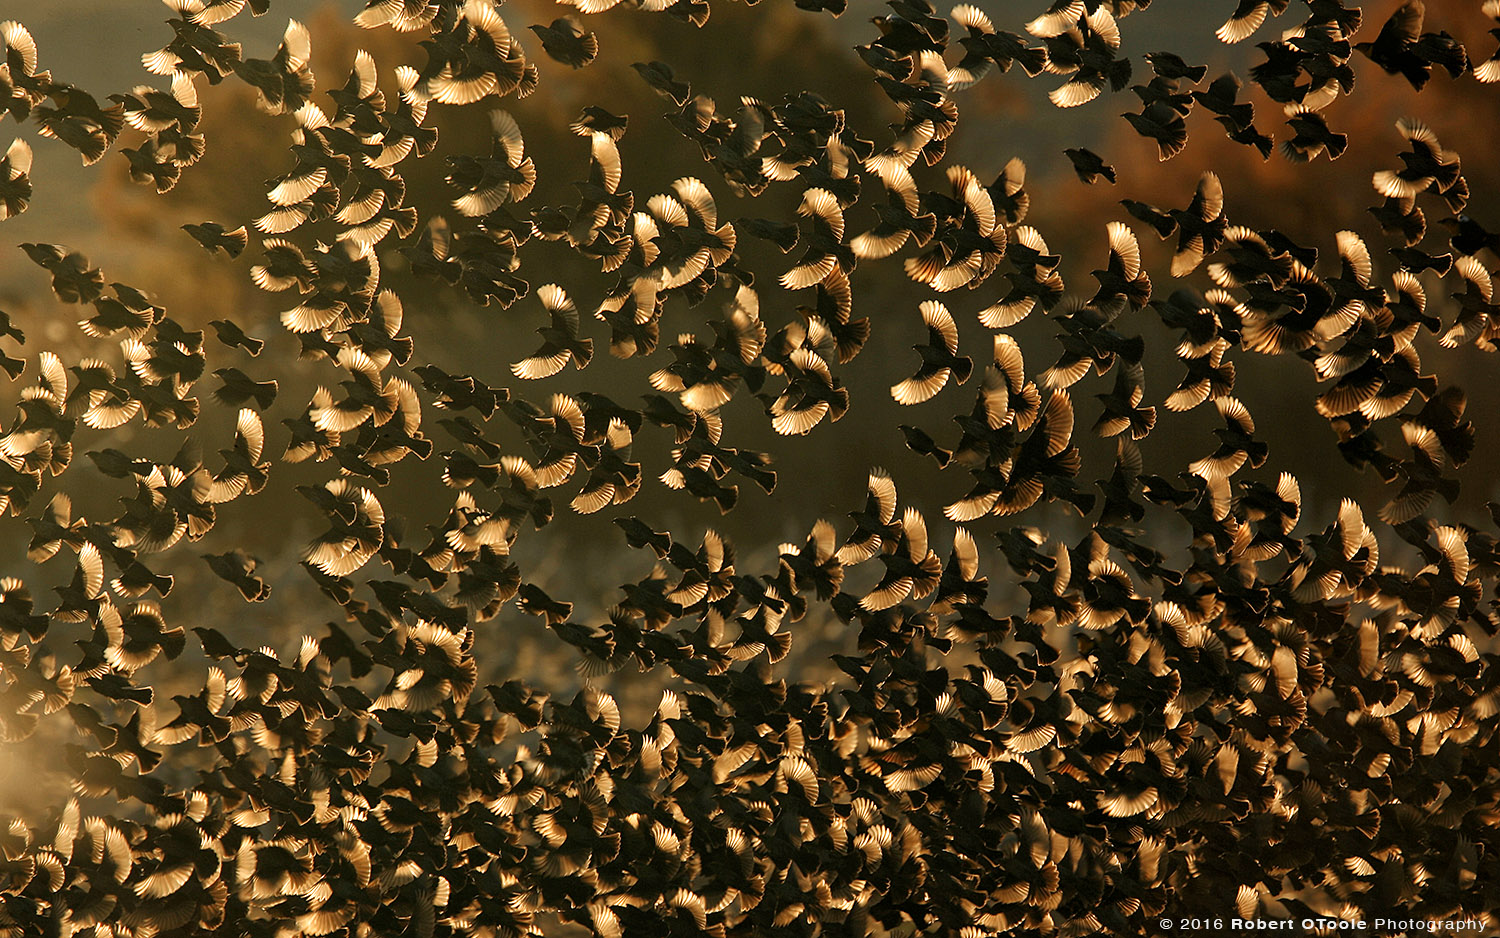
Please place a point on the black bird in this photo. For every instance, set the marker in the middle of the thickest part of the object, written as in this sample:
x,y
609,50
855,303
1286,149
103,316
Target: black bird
x,y
659,76
900,218
215,237
1221,98
812,393
940,358
1488,71
1248,136
1172,67
1237,447
15,179
285,81
824,240
196,47
127,311
238,568
11,366
1089,165
985,47
1085,50
1123,281
78,121
1427,166
21,85
1200,226
594,119
151,168
568,42
1403,49
1469,236
472,57
1247,17
1160,122
1401,216
921,443
1165,91
1008,192
1312,138
1122,405
72,279
506,175
911,569
561,343
239,387
229,333
151,111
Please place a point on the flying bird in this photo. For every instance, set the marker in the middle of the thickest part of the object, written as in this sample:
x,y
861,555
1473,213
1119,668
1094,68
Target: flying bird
x,y
568,42
940,358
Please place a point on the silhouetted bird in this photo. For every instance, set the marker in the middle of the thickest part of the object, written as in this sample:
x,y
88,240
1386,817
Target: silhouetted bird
x,y
1247,17
15,179
567,42
1402,48
1089,165
215,237
940,358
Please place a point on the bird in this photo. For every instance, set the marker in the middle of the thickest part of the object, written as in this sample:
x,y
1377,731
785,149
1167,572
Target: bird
x,y
215,237
15,179
1084,50
1313,137
24,86
560,341
507,175
812,393
73,280
1488,71
12,366
1160,122
663,81
1247,17
912,568
1123,281
901,218
1201,225
238,568
1402,48
940,358
148,167
1425,166
566,41
1089,165
239,387
970,238
824,239
594,119
355,533
473,57
1035,281
151,111
986,47
1122,406
285,81
76,119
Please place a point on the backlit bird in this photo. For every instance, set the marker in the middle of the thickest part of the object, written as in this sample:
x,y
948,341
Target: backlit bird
x,y
15,179
567,42
940,358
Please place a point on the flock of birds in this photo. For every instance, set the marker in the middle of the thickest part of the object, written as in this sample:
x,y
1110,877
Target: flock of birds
x,y
1272,722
